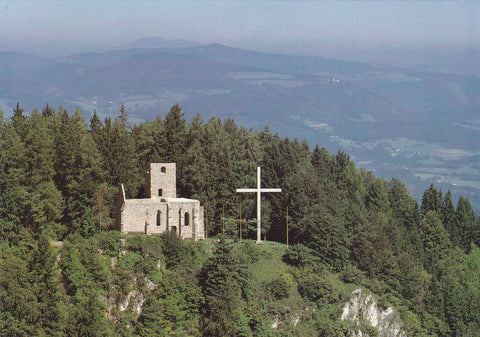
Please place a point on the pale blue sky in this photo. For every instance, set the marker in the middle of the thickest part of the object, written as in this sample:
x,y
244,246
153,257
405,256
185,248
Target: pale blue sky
x,y
307,26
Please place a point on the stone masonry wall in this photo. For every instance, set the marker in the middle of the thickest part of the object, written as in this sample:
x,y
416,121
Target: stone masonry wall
x,y
146,216
163,177
162,210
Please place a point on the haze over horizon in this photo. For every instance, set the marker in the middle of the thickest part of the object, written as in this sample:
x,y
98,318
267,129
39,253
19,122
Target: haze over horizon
x,y
417,120
358,30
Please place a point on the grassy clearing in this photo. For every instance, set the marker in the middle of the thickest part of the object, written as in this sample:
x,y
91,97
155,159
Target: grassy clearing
x,y
269,265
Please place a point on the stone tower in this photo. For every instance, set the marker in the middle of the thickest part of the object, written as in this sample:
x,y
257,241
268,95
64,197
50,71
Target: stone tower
x,y
161,210
162,180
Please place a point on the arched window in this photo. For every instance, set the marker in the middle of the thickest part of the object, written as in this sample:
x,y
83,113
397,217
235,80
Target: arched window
x,y
163,169
160,192
187,219
159,218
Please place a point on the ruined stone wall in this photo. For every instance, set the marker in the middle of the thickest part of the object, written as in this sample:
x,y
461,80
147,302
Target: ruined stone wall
x,y
162,210
200,224
186,217
153,217
140,216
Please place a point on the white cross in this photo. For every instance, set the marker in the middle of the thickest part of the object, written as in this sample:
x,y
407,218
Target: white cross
x,y
259,191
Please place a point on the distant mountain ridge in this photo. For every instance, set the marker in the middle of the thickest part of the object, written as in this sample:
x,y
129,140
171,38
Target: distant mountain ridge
x,y
421,127
157,42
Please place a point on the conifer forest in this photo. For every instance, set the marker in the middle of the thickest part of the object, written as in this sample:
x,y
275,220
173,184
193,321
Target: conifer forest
x,y
65,269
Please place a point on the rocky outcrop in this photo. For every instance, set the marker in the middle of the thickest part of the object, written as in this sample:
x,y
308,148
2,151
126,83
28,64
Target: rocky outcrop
x,y
290,315
138,300
363,309
133,301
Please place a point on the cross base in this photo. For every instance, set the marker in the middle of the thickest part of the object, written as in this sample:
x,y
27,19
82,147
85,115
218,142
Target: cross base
x,y
259,242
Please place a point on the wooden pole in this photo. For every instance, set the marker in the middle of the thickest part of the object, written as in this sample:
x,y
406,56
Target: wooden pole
x,y
287,227
240,222
223,217
206,220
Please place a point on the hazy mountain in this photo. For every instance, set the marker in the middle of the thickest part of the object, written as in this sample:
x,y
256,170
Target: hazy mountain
x,y
421,127
21,62
156,42
277,62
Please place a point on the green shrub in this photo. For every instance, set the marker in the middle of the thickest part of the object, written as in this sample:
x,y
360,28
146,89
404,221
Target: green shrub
x,y
300,256
367,330
108,242
327,327
316,289
250,249
174,249
134,243
152,247
351,274
277,288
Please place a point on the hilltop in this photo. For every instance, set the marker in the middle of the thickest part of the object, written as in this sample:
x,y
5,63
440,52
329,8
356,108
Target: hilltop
x,y
353,236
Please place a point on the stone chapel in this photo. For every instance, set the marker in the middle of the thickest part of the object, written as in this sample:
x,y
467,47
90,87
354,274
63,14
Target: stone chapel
x,y
161,210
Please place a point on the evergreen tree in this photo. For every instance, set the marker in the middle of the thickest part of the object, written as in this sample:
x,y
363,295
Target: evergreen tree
x,y
435,239
45,278
96,125
377,198
457,299
123,116
404,207
19,313
116,146
223,310
175,134
19,121
196,165
431,201
472,290
465,220
103,195
78,172
38,201
328,238
321,160
12,169
224,285
86,316
448,213
150,142
167,310
286,165
48,112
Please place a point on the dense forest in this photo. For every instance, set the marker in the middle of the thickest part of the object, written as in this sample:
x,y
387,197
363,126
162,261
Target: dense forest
x,y
67,271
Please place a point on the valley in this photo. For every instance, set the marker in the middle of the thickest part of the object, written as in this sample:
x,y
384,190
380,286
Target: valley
x,y
421,127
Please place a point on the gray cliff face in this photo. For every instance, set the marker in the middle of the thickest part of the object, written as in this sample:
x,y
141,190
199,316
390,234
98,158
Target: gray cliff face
x,y
363,309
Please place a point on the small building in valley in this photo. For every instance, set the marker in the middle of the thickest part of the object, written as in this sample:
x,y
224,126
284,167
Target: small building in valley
x,y
161,210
